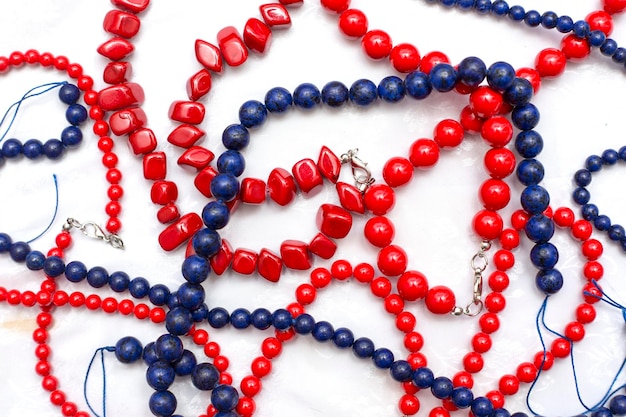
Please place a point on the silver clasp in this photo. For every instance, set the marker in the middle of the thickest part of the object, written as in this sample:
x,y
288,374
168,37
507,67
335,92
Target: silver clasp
x,y
479,265
94,231
361,173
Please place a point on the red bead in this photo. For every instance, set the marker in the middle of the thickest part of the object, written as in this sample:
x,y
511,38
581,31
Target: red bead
x,y
43,368
381,287
257,35
233,49
157,315
509,239
221,363
463,379
593,270
575,48
393,303
600,20
526,372
350,197
185,135
488,224
448,133
163,192
392,260
208,55
16,59
397,171
543,360
585,313
271,347
46,59
295,254
504,260
126,307
122,24
497,131
561,347
320,277
473,362
203,180
495,194
550,62
179,232
31,56
377,44
582,229
199,85
261,367
336,6
40,336
333,221
405,322
211,349
424,153
496,398
113,175
57,397
409,405
329,164
291,2
222,259
481,342
155,166
269,265
191,112
13,297
253,191
413,341
250,385
470,121
322,246
404,58
532,75
307,175
43,352
485,102
431,59
96,113
353,23
109,305
135,6
60,62
412,285
614,6
519,219
196,157
109,160
127,121
245,406
116,49
69,409
575,331
498,281
379,199
113,225
305,294
281,186
495,302
275,15
592,249
379,231
440,300
563,217
93,302
591,293
489,323
44,319
341,270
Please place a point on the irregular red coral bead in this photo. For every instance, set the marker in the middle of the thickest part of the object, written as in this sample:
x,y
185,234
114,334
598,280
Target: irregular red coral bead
x,y
350,197
116,49
232,46
257,35
120,96
244,261
307,175
269,265
329,164
197,157
122,24
281,186
185,135
223,258
142,141
275,15
253,191
135,6
191,112
334,221
179,232
295,255
322,246
209,55
127,121
117,72
199,85
155,166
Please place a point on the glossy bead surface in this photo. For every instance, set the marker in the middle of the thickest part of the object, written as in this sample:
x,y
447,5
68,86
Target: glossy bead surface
x,y
232,46
196,157
179,232
392,260
134,6
142,141
322,246
199,85
377,44
333,221
307,175
350,197
448,133
440,300
191,112
257,35
120,23
269,265
185,136
281,186
295,254
116,49
353,23
155,166
275,15
208,55
127,121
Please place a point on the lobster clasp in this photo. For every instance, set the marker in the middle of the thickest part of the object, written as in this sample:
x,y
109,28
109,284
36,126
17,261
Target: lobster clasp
x,y
361,173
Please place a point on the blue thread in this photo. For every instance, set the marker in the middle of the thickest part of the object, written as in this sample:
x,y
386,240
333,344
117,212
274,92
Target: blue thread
x,y
104,379
17,104
540,314
56,209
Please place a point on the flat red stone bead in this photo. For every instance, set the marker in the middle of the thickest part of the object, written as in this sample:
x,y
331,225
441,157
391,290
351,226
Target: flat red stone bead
x,y
196,157
122,24
190,112
322,246
120,96
163,192
233,49
253,191
244,261
291,2
199,85
116,49
203,180
208,55
329,164
295,255
127,121
185,136
333,221
117,72
307,175
275,15
179,232
281,186
135,6
257,35
269,265
350,197
222,259
155,166
142,141
168,213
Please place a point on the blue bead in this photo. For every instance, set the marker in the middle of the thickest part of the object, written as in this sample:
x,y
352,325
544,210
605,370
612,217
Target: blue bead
x,y
589,211
423,378
215,215
500,76
138,287
119,281
173,301
162,403
596,38
186,364
97,277
168,348
535,199
149,355
71,136
593,163
619,56
465,4
160,375
582,177
622,153
200,314
224,187
304,324
472,71
218,317
231,162
5,242
401,371
236,137
530,172
610,157
418,85
519,414
19,251
525,116
282,319
564,24
500,412
608,47
462,397
443,77
75,114
517,13
549,281
602,222
191,295
549,20
323,331
529,143
205,376
69,93
602,412
482,407
33,149
306,96
616,232
278,100
391,89
206,242
448,3
544,255
383,358
240,318
159,294
500,8
224,398
581,29
12,148
261,318
617,405
35,260
53,148
483,6
128,349
53,266
520,92
363,347
335,94
343,338
252,113
178,321
532,18
363,92
442,387
539,228
581,195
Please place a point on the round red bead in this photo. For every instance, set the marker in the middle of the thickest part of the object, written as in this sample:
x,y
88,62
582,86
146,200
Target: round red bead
x,y
397,171
377,44
488,224
424,153
404,58
392,260
412,285
440,300
353,23
448,133
550,62
379,199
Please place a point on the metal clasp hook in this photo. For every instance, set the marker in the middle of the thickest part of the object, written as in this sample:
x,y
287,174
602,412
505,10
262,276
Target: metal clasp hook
x,y
361,173
479,264
94,231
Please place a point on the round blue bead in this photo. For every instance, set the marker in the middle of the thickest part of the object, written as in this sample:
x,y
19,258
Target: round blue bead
x,y
500,75
500,412
602,222
75,114
581,29
5,242
482,407
119,281
206,242
581,195
596,38
500,8
517,13
582,177
278,100
549,20
539,228
549,281
75,271
616,232
138,287
323,331
383,358
224,187
173,301
472,71
306,96
335,94
224,398
520,92
236,137
535,199
423,378
97,277
149,355
530,172
462,397
544,255
448,3
191,295
529,143
304,324
19,251
363,92
231,162
252,113
160,375
483,6
442,387
519,414
418,85
593,163
525,116
69,93
619,56
589,211
53,148
532,18
622,153
610,157
186,364
443,77
261,318
71,136
343,338
12,148
128,349
35,260
602,412
33,149
178,321
465,4
564,24
54,266
401,371
205,376
218,317
199,314
162,403
240,318
391,89
225,414
168,348
617,405
608,47
159,294
282,319
363,347
215,215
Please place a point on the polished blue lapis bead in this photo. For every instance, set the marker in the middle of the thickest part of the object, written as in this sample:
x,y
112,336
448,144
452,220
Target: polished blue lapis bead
x,y
535,199
306,96
482,407
323,331
549,20
544,255
483,6
205,376
363,92
240,318
549,281
261,318
423,378
500,412
278,100
616,232
191,296
593,163
391,89
139,287
128,349
53,148
304,324
363,347
581,29
34,260
97,277
159,294
530,172
596,38
186,364
5,242
252,113
589,211
564,24
168,348
173,301
621,153
119,281
343,338
149,355
500,8
529,143
383,358
418,85
231,162
520,92
75,271
472,71
18,251
224,398
442,387
539,228
602,412
532,18
206,242
69,93
517,13
224,187
178,321
236,137
619,56
500,75
582,177
215,215
462,397
282,319
465,4
448,3
617,405
609,47
443,77
519,414
200,314
581,195
12,148
610,157
162,403
218,317
33,148
195,269
76,114
525,116
602,222
335,94
71,136
401,371
160,375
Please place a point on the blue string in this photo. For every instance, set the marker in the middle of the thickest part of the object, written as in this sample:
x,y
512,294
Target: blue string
x,y
540,314
104,380
46,87
56,209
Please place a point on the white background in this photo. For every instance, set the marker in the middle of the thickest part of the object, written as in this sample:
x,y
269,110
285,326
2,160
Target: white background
x,y
581,114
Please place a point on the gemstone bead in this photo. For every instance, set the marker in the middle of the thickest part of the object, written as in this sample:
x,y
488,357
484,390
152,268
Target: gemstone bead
x,y
329,164
127,121
135,6
257,35
269,265
295,254
275,15
281,186
203,180
179,232
191,112
333,221
120,96
120,23
116,49
163,192
185,136
142,141
117,72
253,191
307,175
196,157
244,261
208,55
199,84
232,46
223,258
322,246
155,166
168,213
350,197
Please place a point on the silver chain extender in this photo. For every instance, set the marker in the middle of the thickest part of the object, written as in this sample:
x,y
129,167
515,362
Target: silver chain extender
x,y
479,264
94,231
